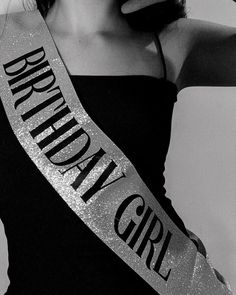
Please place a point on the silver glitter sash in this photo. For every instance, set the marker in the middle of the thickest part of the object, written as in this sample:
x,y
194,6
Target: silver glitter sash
x,y
87,169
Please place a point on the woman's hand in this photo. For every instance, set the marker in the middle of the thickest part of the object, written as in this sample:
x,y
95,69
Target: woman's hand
x,y
134,5
29,4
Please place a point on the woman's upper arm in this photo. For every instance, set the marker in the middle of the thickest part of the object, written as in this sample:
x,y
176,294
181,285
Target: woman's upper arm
x,y
200,53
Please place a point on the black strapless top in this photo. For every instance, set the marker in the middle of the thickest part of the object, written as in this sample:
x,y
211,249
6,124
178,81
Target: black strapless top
x,y
51,251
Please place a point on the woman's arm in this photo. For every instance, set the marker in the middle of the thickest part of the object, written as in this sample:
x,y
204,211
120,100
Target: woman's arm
x,y
197,53
204,54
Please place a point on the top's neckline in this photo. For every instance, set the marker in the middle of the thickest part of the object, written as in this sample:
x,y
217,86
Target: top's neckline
x,y
122,76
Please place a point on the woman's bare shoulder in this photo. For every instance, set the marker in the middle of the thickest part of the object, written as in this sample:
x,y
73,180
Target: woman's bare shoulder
x,y
181,36
185,29
186,36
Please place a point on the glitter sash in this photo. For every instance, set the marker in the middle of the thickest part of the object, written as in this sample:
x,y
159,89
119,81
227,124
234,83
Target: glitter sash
x,y
87,169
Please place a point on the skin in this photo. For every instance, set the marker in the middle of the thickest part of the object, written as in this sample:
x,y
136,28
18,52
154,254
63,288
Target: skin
x,y
134,5
93,38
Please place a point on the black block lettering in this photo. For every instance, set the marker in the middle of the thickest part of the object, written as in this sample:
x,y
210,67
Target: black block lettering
x,y
139,211
45,104
147,238
31,84
161,257
40,51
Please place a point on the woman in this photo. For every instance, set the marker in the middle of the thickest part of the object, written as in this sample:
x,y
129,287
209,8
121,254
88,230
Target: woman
x,y
125,72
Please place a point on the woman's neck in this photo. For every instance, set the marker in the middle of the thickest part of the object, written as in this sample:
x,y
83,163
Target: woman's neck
x,y
73,17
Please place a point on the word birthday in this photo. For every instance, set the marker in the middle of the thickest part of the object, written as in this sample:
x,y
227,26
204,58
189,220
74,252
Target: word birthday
x,y
24,74
58,113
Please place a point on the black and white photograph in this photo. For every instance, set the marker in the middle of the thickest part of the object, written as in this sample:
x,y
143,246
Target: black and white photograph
x,y
117,147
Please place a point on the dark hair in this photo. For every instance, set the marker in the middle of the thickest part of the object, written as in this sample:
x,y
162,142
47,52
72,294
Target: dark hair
x,y
152,18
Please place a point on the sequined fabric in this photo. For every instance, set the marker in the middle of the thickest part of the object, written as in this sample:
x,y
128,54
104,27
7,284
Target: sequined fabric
x,y
101,186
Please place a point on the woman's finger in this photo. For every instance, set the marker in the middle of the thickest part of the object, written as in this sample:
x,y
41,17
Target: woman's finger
x,y
29,4
134,5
